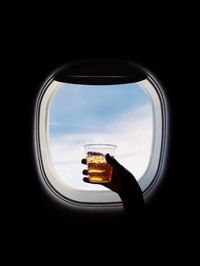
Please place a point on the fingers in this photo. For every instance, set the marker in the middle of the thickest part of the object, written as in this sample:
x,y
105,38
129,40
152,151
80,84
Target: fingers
x,y
111,160
85,172
86,180
84,161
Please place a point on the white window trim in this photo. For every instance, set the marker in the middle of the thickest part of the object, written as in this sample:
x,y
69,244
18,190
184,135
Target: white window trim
x,y
153,166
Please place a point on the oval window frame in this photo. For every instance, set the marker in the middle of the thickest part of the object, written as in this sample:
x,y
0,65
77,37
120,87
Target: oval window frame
x,y
150,178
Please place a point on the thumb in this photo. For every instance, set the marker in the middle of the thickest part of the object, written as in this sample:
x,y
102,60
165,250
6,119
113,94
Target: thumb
x,y
113,162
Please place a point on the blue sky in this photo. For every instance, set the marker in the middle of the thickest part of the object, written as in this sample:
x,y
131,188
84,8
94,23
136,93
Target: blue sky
x,y
117,114
77,108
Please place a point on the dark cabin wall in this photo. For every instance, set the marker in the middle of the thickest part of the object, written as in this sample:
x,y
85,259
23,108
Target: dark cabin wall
x,y
35,216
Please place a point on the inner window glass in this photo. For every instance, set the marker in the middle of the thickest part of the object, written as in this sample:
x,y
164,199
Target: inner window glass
x,y
112,114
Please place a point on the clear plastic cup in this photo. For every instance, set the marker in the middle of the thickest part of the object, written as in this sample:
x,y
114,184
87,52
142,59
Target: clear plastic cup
x,y
99,171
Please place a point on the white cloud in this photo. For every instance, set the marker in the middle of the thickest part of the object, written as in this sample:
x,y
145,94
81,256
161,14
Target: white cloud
x,y
131,132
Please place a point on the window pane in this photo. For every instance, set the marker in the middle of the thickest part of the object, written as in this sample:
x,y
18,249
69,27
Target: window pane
x,y
115,114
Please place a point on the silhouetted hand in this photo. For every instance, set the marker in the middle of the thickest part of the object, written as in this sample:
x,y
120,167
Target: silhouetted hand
x,y
123,183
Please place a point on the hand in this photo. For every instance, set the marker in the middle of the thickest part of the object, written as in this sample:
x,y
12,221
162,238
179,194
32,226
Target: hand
x,y
125,184
121,180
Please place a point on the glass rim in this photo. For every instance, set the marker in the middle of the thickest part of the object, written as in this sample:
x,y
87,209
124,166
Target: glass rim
x,y
100,146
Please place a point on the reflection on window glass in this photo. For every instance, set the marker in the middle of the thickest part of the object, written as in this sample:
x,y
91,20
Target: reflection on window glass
x,y
115,114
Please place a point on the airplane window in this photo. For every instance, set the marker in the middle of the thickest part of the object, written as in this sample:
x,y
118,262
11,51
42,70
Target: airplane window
x,y
69,115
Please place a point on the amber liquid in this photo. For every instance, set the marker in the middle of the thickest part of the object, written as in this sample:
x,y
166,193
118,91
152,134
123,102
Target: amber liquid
x,y
99,170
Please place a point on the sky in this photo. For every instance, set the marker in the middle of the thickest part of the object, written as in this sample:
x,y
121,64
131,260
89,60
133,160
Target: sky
x,y
113,114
